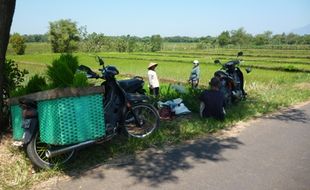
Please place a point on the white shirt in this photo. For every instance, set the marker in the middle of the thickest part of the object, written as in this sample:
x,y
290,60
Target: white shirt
x,y
153,80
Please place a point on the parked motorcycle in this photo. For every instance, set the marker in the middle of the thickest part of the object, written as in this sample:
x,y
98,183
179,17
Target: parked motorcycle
x,y
232,79
123,111
133,85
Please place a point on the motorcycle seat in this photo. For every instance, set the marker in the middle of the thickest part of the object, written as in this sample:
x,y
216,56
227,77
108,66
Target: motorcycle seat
x,y
125,84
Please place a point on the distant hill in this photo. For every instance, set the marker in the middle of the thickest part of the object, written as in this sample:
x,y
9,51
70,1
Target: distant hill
x,y
302,31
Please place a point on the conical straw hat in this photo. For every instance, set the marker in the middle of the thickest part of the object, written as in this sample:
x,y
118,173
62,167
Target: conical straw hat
x,y
152,64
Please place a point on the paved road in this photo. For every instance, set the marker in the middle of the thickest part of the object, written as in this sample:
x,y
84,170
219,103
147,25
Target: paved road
x,y
271,153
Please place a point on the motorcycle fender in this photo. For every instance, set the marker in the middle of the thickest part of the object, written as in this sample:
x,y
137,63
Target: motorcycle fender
x,y
30,127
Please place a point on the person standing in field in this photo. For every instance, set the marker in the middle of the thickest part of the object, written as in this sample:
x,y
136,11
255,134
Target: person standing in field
x,y
153,80
194,76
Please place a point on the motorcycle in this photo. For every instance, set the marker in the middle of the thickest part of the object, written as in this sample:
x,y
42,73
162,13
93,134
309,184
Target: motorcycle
x,y
133,85
123,112
232,80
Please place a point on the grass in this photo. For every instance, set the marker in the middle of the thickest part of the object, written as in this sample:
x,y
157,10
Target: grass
x,y
268,90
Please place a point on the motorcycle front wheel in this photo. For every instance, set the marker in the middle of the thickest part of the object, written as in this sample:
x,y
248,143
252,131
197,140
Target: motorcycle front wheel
x,y
141,120
36,151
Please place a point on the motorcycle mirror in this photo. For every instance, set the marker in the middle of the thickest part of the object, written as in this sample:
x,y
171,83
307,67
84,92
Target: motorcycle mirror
x,y
248,70
101,62
217,61
240,54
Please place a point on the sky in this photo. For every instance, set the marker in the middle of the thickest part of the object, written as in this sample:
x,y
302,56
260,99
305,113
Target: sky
x,y
193,18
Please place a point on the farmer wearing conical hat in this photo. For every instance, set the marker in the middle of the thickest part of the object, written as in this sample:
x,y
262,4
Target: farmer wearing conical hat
x,y
153,80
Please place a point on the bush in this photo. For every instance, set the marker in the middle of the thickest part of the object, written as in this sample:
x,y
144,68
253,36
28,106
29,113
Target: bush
x,y
13,77
80,80
18,43
35,84
61,72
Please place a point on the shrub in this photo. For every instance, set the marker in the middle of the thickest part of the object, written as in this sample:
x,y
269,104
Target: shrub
x,y
18,43
61,72
35,84
80,80
13,77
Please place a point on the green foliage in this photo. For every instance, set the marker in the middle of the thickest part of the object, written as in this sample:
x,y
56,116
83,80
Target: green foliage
x,y
64,36
36,37
121,45
13,77
80,80
156,43
61,72
240,37
263,39
131,44
35,84
224,38
95,42
18,43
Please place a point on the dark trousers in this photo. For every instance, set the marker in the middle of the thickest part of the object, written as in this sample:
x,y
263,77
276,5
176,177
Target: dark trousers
x,y
194,83
154,91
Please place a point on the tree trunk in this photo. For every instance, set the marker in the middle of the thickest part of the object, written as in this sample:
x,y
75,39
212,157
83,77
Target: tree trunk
x,y
7,8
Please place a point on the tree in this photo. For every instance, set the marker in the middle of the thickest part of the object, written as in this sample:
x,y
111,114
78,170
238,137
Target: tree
x,y
224,38
95,42
64,36
131,44
278,39
240,37
156,43
292,38
121,45
18,43
7,8
263,39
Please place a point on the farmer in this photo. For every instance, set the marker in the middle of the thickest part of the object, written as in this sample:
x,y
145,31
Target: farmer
x,y
194,76
153,80
212,101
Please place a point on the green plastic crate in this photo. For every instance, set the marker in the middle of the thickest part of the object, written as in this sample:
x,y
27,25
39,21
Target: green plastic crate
x,y
71,120
16,116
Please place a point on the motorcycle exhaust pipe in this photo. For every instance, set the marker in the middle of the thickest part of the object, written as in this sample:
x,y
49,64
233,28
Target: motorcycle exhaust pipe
x,y
52,153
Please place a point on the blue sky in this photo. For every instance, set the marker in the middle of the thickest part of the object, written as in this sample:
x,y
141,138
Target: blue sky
x,y
165,17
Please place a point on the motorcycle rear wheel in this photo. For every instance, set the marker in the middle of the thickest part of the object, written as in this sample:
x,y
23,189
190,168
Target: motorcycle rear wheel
x,y
147,117
36,152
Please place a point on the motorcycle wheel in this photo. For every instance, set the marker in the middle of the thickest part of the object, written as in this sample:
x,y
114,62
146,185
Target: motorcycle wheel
x,y
147,117
36,152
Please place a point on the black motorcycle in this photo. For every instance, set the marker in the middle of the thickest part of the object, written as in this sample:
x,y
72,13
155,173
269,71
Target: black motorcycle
x,y
123,111
133,85
232,80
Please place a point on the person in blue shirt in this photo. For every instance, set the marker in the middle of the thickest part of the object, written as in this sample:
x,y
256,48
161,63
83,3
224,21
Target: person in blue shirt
x,y
212,101
194,76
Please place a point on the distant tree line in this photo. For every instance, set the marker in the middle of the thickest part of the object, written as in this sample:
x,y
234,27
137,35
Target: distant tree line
x,y
65,36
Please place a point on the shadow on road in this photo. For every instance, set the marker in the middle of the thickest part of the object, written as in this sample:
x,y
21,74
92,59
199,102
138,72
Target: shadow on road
x,y
158,166
291,115
155,168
